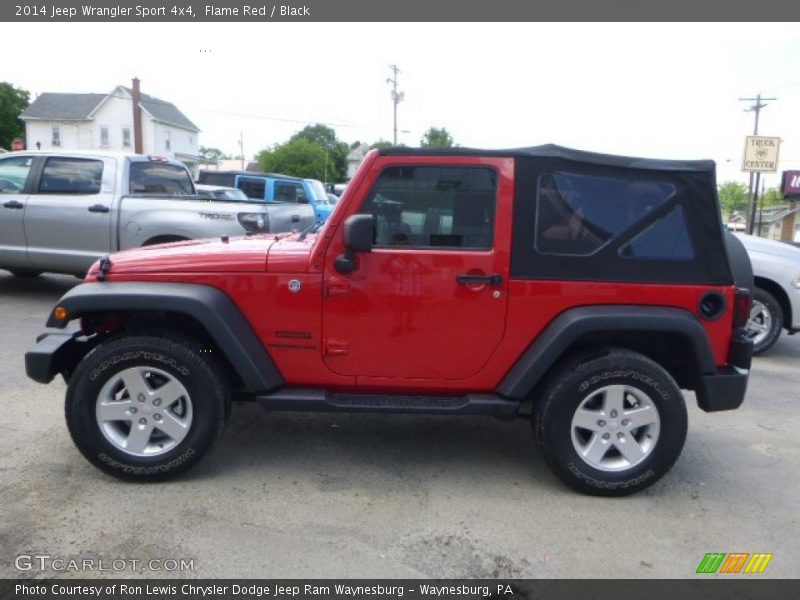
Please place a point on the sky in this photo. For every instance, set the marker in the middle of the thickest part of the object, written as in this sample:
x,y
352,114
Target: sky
x,y
660,90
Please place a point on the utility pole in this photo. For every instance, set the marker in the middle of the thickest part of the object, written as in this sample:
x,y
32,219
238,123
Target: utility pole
x,y
397,97
753,193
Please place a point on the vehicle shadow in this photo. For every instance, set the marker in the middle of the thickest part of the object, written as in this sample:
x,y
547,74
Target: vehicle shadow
x,y
337,450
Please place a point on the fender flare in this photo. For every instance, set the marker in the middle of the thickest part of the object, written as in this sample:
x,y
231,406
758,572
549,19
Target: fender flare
x,y
575,323
215,311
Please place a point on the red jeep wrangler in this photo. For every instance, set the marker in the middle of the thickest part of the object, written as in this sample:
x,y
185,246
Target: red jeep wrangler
x,y
580,290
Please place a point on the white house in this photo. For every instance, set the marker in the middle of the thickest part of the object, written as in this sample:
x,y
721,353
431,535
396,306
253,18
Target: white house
x,y
354,159
106,121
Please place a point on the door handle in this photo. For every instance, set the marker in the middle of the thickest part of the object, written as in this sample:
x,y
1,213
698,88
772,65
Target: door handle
x,y
465,279
295,218
98,208
13,204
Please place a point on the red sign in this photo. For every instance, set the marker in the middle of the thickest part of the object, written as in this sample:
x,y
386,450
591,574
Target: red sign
x,y
790,185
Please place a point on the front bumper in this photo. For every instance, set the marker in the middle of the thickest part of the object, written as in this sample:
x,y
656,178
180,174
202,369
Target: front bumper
x,y
725,389
56,351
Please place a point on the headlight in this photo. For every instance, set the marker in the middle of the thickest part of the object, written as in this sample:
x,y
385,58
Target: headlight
x,y
254,222
796,282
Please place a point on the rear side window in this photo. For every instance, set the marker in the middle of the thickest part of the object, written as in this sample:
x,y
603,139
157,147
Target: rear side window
x,y
14,173
433,207
159,178
63,175
579,214
290,192
253,187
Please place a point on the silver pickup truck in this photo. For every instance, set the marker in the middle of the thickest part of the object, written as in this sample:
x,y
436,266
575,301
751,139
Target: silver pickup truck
x,y
61,211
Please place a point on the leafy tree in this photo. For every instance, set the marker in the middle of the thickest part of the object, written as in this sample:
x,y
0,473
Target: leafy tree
x,y
325,138
771,197
12,102
297,157
733,197
380,145
212,153
436,138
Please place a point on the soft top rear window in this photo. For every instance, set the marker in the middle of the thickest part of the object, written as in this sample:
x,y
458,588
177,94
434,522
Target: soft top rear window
x,y
159,178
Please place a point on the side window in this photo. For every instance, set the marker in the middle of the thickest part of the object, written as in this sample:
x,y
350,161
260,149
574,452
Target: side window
x,y
126,137
104,136
56,137
14,173
159,178
579,214
290,192
253,187
666,239
433,207
71,176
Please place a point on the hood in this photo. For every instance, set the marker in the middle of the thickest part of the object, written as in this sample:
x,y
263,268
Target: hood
x,y
241,254
291,254
772,247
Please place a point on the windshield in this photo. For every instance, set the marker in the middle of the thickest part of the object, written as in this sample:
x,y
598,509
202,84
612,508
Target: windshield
x,y
318,191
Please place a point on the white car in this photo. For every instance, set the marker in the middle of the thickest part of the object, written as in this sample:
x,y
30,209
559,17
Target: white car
x,y
776,298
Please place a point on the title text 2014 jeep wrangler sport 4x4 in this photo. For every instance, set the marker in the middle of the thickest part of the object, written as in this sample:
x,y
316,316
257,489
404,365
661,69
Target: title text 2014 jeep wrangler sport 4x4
x,y
582,290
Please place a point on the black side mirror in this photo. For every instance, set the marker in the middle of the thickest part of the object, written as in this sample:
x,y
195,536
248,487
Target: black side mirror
x,y
359,231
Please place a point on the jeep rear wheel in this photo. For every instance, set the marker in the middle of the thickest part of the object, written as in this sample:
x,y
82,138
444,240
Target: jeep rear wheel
x,y
611,423
145,407
766,321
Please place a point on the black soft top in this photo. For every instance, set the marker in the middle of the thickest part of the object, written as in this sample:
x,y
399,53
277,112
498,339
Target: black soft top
x,y
554,151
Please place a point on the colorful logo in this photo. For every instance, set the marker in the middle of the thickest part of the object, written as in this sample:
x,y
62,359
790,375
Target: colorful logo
x,y
735,562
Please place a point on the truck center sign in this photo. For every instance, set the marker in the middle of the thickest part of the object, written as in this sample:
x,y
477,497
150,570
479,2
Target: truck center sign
x,y
761,154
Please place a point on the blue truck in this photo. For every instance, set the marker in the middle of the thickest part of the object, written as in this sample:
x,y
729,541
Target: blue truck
x,y
273,187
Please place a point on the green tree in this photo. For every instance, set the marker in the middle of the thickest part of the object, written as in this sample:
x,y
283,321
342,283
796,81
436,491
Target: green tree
x,y
212,153
771,197
12,102
436,138
381,144
297,157
325,138
733,197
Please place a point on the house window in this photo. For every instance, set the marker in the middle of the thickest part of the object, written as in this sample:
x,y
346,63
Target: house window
x,y
56,139
191,139
104,136
167,140
126,137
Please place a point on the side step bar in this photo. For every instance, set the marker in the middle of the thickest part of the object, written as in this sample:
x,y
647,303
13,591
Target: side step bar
x,y
323,401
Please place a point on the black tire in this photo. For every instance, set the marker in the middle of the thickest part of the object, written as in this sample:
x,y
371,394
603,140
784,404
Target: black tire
x,y
762,343
582,379
24,273
208,398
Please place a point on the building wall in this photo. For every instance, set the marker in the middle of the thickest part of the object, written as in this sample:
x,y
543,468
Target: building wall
x,y
116,113
75,135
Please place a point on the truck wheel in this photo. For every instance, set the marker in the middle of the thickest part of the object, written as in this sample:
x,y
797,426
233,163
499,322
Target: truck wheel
x,y
766,321
146,408
611,423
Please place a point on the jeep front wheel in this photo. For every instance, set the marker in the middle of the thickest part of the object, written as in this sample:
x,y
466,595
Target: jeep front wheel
x,y
145,407
611,423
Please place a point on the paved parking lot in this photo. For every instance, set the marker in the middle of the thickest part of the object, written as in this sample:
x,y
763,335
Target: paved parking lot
x,y
294,495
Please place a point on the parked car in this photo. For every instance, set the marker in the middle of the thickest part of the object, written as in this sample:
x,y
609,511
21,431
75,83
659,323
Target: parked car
x,y
333,199
218,192
579,290
272,187
776,297
61,211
